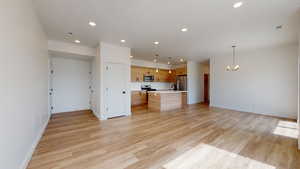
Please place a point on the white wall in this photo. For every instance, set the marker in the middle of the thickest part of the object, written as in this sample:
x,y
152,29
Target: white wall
x,y
24,83
108,53
143,63
299,86
265,84
59,46
178,65
195,82
95,98
71,80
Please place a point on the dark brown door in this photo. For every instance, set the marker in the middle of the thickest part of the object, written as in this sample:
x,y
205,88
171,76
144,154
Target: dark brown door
x,y
206,88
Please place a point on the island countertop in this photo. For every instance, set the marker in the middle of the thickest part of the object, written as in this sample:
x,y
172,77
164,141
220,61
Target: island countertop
x,y
167,91
166,100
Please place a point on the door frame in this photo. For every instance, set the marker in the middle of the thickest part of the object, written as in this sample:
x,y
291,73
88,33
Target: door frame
x,y
51,75
206,94
50,85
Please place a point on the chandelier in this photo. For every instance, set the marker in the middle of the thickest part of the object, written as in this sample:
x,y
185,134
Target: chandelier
x,y
234,66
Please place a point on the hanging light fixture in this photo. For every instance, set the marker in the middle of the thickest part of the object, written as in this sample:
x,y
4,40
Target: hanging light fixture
x,y
156,61
156,44
234,66
169,63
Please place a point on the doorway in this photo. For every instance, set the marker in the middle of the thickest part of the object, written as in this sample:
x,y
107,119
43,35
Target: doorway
x,y
70,84
206,88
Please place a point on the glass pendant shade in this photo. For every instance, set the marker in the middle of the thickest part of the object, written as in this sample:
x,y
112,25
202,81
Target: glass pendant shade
x,y
236,68
156,70
170,71
228,68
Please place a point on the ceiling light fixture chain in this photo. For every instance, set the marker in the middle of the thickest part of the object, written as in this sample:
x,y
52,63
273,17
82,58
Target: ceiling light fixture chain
x,y
233,48
156,61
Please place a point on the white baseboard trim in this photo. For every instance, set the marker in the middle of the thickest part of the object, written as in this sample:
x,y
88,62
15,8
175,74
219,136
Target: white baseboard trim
x,y
266,114
298,136
97,115
103,117
194,103
34,145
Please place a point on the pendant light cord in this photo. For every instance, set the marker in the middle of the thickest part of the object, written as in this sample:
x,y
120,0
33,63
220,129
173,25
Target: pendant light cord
x,y
233,48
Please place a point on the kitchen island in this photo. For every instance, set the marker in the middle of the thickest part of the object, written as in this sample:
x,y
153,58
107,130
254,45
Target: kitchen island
x,y
166,100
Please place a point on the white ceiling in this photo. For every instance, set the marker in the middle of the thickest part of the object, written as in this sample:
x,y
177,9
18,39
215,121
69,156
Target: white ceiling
x,y
214,25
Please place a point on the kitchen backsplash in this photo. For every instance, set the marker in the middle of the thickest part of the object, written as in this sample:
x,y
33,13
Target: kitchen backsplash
x,y
154,85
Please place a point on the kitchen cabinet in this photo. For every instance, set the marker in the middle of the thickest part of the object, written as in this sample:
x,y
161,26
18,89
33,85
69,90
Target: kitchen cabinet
x,y
138,73
162,75
138,98
149,71
166,100
172,77
181,71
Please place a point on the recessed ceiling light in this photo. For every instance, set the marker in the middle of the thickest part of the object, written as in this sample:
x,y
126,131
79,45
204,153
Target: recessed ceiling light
x,y
169,62
181,60
237,4
156,43
77,41
93,24
184,29
123,41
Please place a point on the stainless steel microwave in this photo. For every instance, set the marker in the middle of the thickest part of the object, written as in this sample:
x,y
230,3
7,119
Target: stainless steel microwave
x,y
148,78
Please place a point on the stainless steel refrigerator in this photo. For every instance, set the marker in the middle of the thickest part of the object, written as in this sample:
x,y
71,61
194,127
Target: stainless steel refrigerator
x,y
181,83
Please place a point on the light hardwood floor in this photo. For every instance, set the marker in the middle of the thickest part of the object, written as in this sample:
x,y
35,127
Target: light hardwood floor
x,y
196,137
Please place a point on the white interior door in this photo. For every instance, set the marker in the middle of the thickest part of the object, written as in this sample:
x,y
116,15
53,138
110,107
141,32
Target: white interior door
x,y
70,83
115,90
